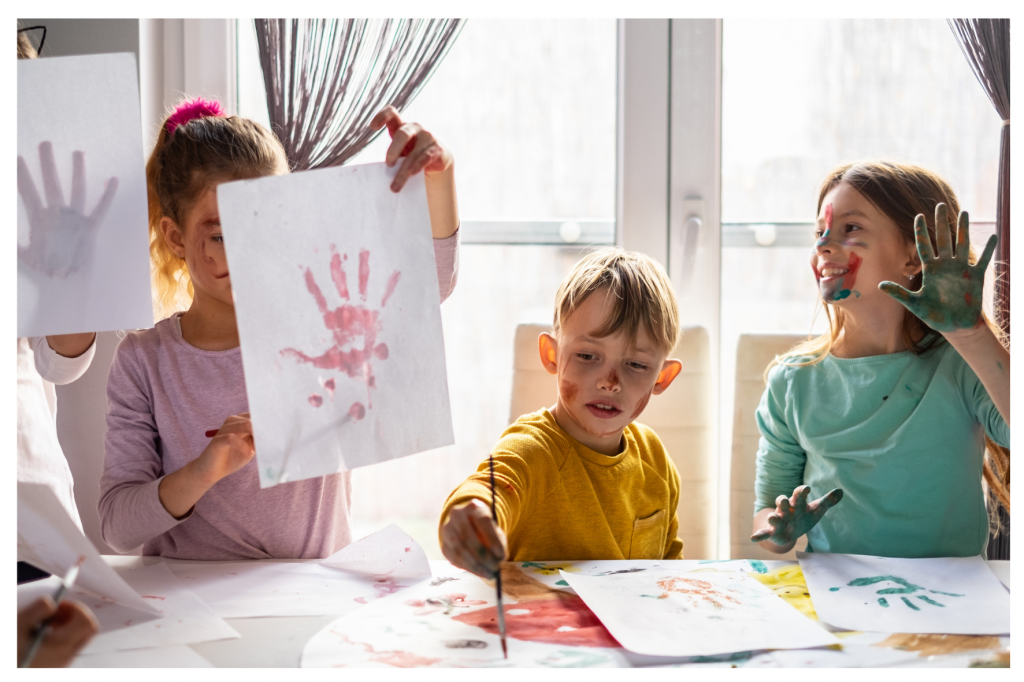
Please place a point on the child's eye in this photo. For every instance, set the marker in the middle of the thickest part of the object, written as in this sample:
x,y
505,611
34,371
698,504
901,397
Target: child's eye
x,y
638,366
850,228
818,232
219,239
585,356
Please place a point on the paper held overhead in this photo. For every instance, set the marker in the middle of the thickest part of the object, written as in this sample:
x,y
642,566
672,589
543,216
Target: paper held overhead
x,y
336,297
83,252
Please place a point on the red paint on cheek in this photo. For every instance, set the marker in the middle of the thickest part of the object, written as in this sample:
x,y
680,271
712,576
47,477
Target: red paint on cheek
x,y
542,622
817,272
569,391
854,265
641,404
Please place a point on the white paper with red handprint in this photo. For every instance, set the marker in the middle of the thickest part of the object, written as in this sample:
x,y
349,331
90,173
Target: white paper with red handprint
x,y
83,249
338,311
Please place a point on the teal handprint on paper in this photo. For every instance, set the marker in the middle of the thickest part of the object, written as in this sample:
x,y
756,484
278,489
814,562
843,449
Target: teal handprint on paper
x,y
905,588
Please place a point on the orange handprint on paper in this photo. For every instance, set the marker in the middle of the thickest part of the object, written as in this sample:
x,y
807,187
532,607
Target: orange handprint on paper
x,y
348,323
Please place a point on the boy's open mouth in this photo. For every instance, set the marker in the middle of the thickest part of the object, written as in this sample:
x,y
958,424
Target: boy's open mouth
x,y
603,410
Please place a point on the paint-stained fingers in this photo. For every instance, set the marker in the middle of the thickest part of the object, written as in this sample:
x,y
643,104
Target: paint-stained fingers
x,y
826,502
77,182
986,255
100,212
417,161
783,508
943,239
922,240
963,235
902,295
488,533
761,535
51,181
387,116
461,546
27,190
799,501
403,141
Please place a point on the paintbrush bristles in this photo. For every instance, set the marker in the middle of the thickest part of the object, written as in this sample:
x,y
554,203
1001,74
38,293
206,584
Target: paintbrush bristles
x,y
497,574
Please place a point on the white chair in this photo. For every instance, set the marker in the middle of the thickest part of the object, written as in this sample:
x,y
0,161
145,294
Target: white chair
x,y
681,416
753,353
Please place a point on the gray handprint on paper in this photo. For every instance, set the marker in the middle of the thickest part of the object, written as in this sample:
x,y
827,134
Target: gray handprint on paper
x,y
61,236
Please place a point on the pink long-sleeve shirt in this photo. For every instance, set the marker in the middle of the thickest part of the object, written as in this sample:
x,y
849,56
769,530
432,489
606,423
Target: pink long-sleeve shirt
x,y
163,396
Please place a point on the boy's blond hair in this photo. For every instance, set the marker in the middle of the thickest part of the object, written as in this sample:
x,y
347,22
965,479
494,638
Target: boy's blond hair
x,y
641,293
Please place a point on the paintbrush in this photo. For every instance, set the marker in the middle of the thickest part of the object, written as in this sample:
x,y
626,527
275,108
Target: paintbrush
x,y
497,575
42,630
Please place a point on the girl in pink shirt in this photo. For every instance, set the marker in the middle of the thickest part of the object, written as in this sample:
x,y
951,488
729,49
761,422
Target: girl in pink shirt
x,y
165,484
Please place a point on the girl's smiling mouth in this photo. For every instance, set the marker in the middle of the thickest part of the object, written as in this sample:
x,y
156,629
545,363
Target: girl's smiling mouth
x,y
603,409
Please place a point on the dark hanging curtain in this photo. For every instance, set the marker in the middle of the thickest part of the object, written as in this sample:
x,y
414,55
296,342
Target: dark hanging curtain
x,y
326,78
986,44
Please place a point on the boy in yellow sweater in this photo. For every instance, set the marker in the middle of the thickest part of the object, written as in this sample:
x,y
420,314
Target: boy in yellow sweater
x,y
582,480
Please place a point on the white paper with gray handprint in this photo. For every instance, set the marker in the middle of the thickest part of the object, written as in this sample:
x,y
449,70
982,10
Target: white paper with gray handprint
x,y
83,248
945,595
336,296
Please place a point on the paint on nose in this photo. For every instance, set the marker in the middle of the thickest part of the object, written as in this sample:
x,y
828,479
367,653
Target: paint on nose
x,y
613,378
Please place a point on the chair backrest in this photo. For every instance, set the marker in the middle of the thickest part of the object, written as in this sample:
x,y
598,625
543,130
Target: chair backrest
x,y
753,353
681,416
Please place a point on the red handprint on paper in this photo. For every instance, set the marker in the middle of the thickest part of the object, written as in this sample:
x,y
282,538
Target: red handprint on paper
x,y
348,323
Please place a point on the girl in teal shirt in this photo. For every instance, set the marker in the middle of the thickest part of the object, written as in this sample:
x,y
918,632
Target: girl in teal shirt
x,y
893,409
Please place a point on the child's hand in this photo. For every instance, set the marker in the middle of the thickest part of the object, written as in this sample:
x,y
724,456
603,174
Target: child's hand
x,y
793,517
60,235
422,150
950,295
72,627
229,450
471,540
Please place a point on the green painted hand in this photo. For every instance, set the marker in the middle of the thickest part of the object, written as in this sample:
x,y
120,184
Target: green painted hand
x,y
950,295
905,588
794,517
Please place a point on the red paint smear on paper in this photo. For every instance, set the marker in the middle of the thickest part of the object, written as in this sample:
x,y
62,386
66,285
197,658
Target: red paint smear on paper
x,y
315,400
694,588
357,411
151,596
408,549
338,275
542,622
361,600
364,272
398,659
392,283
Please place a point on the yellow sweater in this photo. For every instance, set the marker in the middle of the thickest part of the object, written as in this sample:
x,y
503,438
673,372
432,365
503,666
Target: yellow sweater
x,y
558,499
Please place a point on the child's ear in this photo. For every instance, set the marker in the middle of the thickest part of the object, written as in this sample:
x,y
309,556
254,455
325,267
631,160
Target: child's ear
x,y
548,346
669,371
172,235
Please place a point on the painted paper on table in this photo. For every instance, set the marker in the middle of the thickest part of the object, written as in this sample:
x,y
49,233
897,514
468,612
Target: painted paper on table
x,y
451,621
50,540
367,570
671,613
83,251
337,302
950,595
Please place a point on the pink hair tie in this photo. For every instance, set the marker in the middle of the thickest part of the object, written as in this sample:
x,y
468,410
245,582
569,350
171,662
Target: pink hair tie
x,y
192,109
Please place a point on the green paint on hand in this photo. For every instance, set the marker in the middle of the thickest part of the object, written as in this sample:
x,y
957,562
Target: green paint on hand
x,y
908,603
882,601
930,601
758,566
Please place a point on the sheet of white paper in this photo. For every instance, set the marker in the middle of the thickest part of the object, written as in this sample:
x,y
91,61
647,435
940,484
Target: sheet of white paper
x,y
83,256
1001,569
178,656
50,540
951,595
668,612
390,552
185,619
351,370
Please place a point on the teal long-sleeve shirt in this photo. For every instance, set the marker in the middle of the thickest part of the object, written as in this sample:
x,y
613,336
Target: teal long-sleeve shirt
x,y
901,434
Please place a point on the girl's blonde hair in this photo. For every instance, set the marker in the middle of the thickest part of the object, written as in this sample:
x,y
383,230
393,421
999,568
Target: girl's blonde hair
x,y
902,191
641,293
183,165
